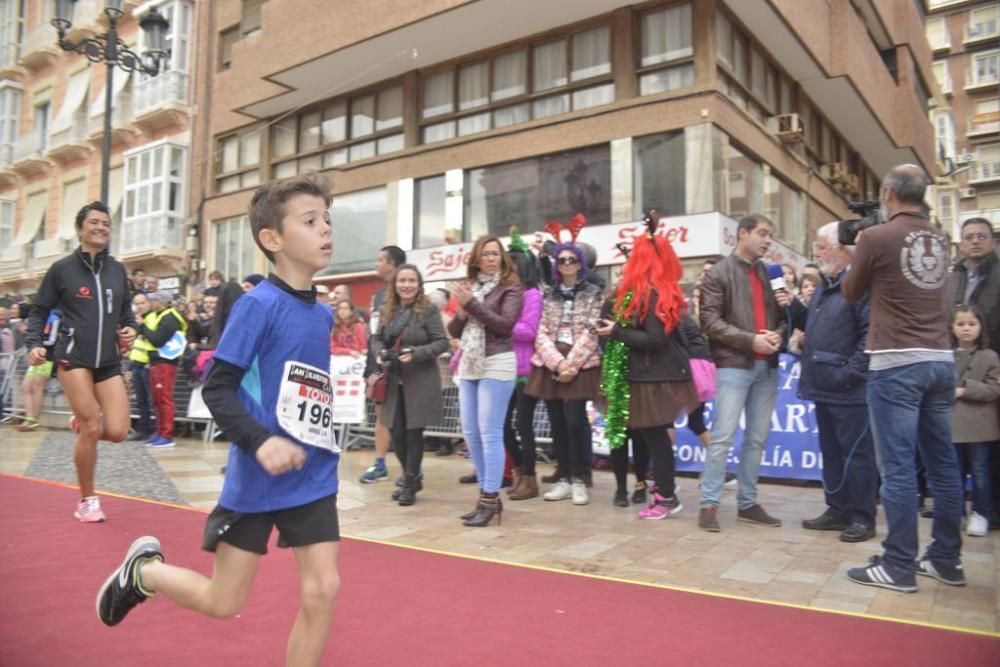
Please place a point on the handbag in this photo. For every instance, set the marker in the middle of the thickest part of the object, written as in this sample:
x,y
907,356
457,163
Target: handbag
x,y
703,374
377,383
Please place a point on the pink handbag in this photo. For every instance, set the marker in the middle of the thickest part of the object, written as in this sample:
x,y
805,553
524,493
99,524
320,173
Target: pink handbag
x,y
703,374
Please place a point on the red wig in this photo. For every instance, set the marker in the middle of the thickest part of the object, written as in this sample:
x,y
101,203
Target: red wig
x,y
652,267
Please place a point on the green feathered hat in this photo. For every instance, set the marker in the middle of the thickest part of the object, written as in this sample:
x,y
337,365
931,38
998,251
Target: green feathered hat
x,y
516,242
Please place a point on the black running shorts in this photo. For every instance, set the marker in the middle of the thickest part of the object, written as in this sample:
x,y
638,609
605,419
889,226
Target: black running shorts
x,y
297,526
99,374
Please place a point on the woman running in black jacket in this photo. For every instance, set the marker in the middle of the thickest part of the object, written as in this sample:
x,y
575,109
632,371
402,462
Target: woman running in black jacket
x,y
90,291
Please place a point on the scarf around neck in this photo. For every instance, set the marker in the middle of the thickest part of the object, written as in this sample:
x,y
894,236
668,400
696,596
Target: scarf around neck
x,y
474,335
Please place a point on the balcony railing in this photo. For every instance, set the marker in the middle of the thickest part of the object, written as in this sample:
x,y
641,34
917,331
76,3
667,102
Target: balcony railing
x,y
157,231
44,253
6,155
987,170
121,114
9,55
167,88
991,214
12,266
28,146
76,133
986,30
42,38
983,123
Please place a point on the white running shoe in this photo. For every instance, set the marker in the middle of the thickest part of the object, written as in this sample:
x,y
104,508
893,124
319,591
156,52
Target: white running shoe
x,y
561,490
579,491
978,525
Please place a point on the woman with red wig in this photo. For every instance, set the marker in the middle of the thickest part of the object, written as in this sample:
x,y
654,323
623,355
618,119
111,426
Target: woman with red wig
x,y
646,375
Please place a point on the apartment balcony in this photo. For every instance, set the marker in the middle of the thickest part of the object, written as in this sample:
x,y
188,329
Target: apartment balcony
x,y
13,267
161,101
983,125
985,32
29,156
123,129
991,214
86,14
70,143
39,48
987,171
9,56
988,82
945,84
150,234
44,253
8,177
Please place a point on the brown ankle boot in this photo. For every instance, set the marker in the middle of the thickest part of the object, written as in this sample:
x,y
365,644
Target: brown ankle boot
x,y
527,489
469,515
515,473
490,505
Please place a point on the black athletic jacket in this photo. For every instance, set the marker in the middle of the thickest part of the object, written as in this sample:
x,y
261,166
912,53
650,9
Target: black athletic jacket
x,y
94,300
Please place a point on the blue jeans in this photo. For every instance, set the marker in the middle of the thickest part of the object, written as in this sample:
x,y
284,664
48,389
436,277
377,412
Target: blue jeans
x,y
143,396
483,406
974,459
755,390
909,407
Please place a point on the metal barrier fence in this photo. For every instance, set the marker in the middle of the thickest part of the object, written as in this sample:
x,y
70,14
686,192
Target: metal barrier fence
x,y
14,366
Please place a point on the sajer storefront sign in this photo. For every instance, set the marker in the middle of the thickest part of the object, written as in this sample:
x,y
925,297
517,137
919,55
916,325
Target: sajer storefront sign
x,y
697,235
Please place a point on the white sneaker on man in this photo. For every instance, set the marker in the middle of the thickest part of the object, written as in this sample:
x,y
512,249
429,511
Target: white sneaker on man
x,y
561,490
978,525
579,490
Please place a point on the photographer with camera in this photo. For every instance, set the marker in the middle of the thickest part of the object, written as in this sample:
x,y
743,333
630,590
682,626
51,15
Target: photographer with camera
x,y
903,266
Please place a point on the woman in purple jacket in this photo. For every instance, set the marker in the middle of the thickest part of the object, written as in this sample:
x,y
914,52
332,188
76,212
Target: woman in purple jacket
x,y
490,305
523,453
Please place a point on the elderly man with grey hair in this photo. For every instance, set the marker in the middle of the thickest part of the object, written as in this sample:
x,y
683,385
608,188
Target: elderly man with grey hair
x,y
902,266
834,370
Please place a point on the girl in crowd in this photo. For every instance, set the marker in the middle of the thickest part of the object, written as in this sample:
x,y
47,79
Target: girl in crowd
x,y
648,309
808,286
349,335
489,306
90,290
522,452
975,425
567,367
407,345
791,280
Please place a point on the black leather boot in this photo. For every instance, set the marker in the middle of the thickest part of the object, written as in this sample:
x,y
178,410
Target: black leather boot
x,y
408,494
490,505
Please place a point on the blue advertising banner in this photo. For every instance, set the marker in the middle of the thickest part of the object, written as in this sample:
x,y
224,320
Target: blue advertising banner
x,y
792,449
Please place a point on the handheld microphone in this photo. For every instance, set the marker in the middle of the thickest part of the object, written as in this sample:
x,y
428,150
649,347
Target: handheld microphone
x,y
777,276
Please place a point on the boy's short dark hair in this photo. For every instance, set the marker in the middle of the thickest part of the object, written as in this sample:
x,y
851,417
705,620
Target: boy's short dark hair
x,y
267,207
216,275
395,254
81,215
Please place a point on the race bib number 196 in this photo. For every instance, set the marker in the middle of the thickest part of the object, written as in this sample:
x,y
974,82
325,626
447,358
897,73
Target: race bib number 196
x,y
305,405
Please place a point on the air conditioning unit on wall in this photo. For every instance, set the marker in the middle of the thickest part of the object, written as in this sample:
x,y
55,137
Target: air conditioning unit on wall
x,y
836,173
967,193
787,127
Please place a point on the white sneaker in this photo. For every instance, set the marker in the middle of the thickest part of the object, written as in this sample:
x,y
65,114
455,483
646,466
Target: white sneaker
x,y
561,490
978,525
579,490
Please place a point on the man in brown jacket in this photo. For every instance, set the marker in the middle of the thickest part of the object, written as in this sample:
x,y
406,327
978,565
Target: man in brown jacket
x,y
903,265
744,321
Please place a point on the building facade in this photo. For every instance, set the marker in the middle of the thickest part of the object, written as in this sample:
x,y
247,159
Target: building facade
x,y
440,120
965,38
52,106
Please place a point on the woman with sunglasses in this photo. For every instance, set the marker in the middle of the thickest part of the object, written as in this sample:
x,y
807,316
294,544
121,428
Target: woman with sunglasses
x,y
567,370
489,307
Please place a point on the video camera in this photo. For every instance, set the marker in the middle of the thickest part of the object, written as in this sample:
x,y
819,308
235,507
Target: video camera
x,y
870,212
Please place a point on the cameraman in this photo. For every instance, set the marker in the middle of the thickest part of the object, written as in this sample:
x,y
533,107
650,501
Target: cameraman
x,y
903,265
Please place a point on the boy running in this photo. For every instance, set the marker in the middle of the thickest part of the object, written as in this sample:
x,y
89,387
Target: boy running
x,y
269,391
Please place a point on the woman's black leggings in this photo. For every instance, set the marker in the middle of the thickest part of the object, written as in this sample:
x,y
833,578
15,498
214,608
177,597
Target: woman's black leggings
x,y
521,453
661,449
407,443
570,435
640,460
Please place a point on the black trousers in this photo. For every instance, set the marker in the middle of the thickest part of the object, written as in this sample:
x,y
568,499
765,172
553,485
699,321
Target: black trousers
x,y
519,430
407,443
661,450
640,460
850,478
571,436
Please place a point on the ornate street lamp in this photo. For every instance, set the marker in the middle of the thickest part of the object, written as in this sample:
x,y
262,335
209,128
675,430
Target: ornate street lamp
x,y
110,50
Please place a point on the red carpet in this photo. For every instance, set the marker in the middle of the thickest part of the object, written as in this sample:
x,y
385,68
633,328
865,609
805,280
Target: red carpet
x,y
401,606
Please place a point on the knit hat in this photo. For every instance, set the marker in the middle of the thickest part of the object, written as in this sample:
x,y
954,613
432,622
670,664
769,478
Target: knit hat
x,y
254,279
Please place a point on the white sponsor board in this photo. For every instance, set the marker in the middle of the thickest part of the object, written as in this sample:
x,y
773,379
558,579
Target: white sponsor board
x,y
698,235
347,377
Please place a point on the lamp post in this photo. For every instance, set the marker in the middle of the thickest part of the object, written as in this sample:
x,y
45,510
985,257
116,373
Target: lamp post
x,y
112,51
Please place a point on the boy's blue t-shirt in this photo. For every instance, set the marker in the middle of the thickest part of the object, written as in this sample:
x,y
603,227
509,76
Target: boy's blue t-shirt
x,y
268,327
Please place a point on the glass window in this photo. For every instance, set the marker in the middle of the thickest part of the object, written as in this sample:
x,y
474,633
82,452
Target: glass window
x,y
154,191
663,80
595,96
359,222
334,127
509,73
390,108
226,40
6,223
549,66
309,135
362,116
473,124
473,86
518,113
429,216
591,53
438,92
666,35
723,39
549,106
235,249
283,138
528,193
439,132
744,184
658,172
